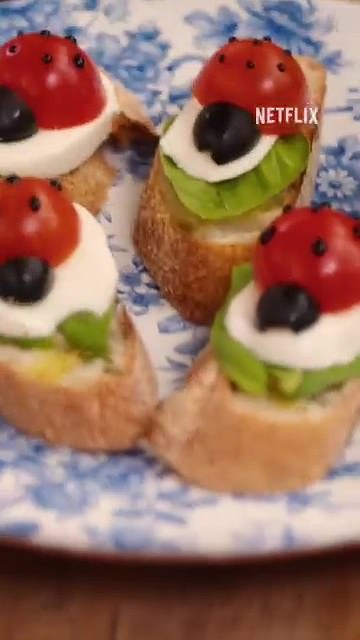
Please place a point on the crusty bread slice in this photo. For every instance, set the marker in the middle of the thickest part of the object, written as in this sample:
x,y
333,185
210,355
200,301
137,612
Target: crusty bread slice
x,y
224,440
193,267
91,407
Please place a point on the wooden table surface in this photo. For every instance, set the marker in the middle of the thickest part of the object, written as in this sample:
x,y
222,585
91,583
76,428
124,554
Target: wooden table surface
x,y
46,598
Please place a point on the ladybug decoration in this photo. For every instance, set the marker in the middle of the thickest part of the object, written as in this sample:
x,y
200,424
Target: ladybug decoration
x,y
46,82
239,78
39,230
307,263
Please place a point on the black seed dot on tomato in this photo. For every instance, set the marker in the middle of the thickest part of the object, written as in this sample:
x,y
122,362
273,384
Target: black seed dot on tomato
x,y
287,52
13,48
356,231
11,179
221,58
79,61
250,64
56,184
47,58
35,203
45,32
71,38
232,39
256,41
267,234
267,39
287,208
319,247
281,66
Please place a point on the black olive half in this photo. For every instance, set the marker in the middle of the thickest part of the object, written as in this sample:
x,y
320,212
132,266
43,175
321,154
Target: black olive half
x,y
286,305
17,121
226,131
25,280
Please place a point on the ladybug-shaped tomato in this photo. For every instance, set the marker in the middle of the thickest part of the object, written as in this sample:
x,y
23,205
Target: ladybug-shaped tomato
x,y
316,249
54,77
255,73
36,221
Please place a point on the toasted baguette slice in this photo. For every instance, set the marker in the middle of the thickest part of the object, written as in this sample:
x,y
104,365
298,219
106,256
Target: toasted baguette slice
x,y
90,407
224,440
193,267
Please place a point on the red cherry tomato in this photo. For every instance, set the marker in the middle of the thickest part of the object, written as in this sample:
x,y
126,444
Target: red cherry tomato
x,y
36,220
318,250
56,78
255,73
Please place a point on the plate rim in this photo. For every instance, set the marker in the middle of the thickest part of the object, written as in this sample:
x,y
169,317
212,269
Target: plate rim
x,y
188,558
142,559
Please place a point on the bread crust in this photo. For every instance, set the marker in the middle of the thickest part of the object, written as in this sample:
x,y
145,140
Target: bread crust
x,y
193,274
224,440
89,184
107,414
192,271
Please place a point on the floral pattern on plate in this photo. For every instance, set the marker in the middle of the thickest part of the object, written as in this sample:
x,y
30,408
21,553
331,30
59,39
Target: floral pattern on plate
x,y
298,26
131,502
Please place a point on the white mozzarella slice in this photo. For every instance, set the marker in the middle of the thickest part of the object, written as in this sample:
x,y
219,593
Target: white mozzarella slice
x,y
333,340
86,281
52,153
178,144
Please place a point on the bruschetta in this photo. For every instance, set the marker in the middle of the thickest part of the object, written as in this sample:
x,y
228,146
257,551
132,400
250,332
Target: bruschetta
x,y
244,146
57,108
271,402
73,369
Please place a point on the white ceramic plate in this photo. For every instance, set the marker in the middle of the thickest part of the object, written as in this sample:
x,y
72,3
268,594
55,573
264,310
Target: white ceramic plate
x,y
130,503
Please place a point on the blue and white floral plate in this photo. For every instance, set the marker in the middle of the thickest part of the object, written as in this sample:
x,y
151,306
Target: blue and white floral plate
x,y
130,504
